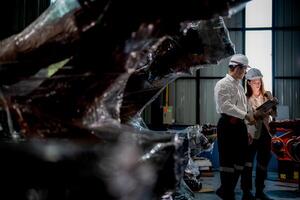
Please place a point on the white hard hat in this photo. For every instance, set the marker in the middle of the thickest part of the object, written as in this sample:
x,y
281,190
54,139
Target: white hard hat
x,y
253,74
239,59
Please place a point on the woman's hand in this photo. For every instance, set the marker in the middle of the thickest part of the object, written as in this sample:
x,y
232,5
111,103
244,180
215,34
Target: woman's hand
x,y
269,95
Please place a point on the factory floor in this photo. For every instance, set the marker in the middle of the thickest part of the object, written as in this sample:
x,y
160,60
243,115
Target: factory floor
x,y
274,188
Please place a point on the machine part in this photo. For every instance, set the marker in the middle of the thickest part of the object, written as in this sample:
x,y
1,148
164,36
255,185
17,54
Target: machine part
x,y
277,146
293,148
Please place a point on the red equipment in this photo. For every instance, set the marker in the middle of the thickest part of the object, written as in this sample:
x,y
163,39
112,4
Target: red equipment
x,y
286,146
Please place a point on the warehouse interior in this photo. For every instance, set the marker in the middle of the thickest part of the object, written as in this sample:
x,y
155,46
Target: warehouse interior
x,y
111,100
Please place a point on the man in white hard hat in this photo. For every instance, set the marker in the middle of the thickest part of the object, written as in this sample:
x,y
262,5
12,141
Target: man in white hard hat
x,y
231,104
239,59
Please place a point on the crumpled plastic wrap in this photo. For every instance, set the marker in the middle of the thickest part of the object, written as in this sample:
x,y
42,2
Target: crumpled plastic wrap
x,y
60,30
194,142
50,38
89,97
198,140
84,149
109,169
167,58
129,163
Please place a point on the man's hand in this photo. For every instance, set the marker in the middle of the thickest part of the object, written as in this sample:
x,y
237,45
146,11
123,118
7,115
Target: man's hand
x,y
253,117
250,118
258,114
250,138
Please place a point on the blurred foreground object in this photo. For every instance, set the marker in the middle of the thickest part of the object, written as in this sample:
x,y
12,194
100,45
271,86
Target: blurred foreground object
x,y
68,134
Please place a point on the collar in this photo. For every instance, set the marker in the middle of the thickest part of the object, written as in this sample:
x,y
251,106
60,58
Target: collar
x,y
229,77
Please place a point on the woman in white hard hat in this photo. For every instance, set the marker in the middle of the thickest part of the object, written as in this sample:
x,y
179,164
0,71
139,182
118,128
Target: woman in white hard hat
x,y
259,138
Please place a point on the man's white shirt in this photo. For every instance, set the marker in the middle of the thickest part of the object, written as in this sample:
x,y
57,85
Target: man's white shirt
x,y
230,97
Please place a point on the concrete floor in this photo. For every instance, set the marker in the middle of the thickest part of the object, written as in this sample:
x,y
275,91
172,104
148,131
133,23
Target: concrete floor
x,y
274,188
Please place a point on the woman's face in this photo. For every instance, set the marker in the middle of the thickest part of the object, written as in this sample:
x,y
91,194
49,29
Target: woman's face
x,y
255,84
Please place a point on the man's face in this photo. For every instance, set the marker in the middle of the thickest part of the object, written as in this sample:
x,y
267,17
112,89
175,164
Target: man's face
x,y
239,72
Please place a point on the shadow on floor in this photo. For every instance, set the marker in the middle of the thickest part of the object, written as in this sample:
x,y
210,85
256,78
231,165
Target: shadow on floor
x,y
274,188
287,194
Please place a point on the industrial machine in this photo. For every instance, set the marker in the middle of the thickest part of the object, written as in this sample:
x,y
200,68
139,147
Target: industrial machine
x,y
286,147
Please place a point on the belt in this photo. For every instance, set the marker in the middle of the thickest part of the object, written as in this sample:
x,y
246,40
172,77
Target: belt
x,y
232,120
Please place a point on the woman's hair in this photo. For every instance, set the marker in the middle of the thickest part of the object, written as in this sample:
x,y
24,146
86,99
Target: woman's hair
x,y
249,91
